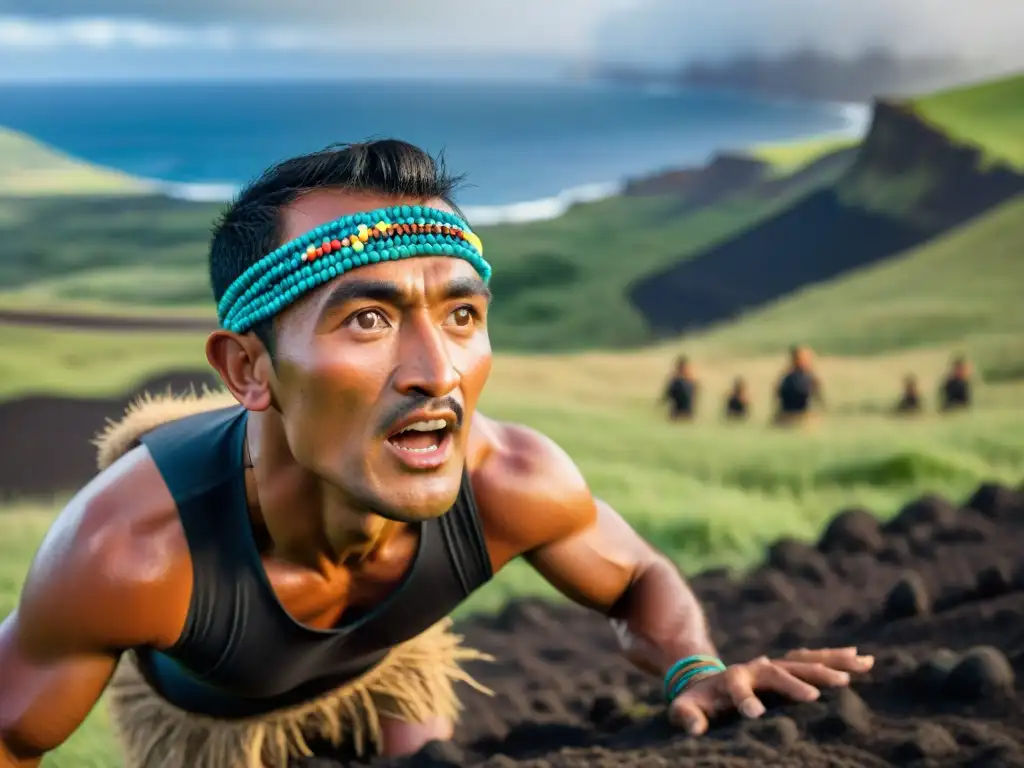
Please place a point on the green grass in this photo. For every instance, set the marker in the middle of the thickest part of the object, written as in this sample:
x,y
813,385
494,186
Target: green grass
x,y
790,156
87,363
989,115
31,169
962,288
706,493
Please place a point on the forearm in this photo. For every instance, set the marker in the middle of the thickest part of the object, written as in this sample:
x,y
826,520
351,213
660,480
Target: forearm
x,y
659,620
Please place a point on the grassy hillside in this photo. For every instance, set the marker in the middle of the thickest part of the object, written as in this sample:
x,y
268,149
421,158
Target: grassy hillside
x,y
989,115
29,169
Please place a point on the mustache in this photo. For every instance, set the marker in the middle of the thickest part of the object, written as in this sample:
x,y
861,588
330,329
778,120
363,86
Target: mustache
x,y
420,402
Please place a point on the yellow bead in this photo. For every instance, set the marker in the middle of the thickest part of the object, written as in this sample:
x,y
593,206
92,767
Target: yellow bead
x,y
357,245
311,251
473,240
364,233
382,227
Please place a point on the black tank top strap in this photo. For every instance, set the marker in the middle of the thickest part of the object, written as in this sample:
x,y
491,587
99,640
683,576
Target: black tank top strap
x,y
206,480
464,539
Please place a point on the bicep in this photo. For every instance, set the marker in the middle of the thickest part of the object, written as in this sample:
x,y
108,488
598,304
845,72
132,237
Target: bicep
x,y
594,564
44,699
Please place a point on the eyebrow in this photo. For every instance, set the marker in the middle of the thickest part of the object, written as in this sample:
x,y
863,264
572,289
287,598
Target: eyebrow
x,y
388,292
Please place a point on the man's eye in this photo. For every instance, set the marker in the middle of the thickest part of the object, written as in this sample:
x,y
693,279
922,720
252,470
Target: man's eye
x,y
462,317
370,320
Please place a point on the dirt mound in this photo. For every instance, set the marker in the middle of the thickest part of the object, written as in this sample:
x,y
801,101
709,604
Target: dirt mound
x,y
937,595
47,447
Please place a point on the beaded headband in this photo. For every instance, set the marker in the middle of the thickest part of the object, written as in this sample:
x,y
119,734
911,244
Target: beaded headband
x,y
387,234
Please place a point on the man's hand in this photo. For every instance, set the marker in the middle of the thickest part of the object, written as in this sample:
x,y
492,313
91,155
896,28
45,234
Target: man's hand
x,y
798,675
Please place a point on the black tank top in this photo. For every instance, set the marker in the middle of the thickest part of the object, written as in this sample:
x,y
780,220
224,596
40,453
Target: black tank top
x,y
240,653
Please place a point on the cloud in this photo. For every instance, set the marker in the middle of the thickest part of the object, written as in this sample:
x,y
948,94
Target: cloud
x,y
678,31
559,27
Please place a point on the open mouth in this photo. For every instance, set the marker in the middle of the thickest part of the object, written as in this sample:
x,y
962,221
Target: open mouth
x,y
422,437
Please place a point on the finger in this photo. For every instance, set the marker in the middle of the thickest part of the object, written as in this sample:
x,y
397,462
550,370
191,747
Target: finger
x,y
846,659
816,674
774,678
685,713
738,684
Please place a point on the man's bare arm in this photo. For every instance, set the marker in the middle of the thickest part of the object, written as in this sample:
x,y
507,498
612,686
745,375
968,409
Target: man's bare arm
x,y
107,577
538,501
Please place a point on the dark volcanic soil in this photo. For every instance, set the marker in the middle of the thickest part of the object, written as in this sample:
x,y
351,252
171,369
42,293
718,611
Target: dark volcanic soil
x,y
937,595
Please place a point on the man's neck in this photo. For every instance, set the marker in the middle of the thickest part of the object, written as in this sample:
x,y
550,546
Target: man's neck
x,y
309,522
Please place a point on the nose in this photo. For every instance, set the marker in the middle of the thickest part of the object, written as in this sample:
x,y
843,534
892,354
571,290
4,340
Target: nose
x,y
425,366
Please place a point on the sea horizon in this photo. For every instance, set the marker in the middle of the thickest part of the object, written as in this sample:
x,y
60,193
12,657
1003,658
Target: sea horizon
x,y
531,149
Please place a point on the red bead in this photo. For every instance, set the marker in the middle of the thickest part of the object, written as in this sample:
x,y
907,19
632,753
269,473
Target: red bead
x,y
319,252
335,245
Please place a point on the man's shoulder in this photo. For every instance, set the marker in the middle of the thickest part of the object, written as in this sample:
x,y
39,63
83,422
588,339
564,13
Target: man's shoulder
x,y
112,562
527,487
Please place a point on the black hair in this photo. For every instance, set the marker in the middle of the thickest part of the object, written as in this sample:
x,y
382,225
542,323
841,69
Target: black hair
x,y
251,227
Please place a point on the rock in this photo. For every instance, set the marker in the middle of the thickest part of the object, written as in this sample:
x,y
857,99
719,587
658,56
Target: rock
x,y
983,673
908,598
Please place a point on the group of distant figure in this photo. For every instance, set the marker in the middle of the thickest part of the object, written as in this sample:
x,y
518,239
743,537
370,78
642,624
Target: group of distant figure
x,y
799,391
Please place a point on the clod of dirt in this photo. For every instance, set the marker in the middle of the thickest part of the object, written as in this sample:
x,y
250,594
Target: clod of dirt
x,y
982,673
908,598
796,559
780,731
930,677
929,741
994,581
852,530
847,715
613,711
768,587
929,510
997,501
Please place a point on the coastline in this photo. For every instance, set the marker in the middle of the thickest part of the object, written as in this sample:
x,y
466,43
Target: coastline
x,y
856,116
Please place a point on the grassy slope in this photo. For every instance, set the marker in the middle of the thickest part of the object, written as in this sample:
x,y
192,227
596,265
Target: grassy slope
x,y
787,157
989,115
963,287
29,169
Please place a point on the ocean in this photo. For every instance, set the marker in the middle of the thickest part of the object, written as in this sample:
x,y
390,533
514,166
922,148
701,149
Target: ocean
x,y
528,149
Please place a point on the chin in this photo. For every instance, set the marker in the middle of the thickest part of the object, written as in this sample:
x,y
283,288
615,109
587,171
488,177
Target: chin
x,y
414,500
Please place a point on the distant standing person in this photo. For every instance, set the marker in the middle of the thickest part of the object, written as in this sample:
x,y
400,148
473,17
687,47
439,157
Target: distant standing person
x,y
799,388
955,393
910,401
681,392
737,405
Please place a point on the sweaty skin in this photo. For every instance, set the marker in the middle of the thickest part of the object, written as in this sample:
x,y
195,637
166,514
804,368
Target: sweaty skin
x,y
332,499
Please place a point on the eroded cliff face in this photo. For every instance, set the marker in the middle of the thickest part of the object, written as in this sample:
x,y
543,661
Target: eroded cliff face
x,y
906,184
911,170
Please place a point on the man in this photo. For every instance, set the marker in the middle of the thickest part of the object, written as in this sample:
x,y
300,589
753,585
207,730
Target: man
x,y
737,404
910,403
798,389
955,394
681,392
271,568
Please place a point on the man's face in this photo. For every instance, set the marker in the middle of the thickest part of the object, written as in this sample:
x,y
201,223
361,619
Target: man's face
x,y
379,371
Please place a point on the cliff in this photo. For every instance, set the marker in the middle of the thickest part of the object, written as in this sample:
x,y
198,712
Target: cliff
x,y
908,183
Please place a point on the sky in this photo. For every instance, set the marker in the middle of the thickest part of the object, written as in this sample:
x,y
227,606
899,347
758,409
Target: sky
x,y
63,39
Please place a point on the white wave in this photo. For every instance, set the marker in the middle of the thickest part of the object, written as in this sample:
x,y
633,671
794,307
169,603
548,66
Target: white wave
x,y
479,215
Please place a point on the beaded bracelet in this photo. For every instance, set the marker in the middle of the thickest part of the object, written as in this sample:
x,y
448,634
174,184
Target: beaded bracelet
x,y
688,671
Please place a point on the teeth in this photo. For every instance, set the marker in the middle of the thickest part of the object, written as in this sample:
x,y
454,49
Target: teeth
x,y
428,449
426,426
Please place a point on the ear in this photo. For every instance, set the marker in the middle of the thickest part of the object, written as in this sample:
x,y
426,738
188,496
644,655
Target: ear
x,y
244,366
